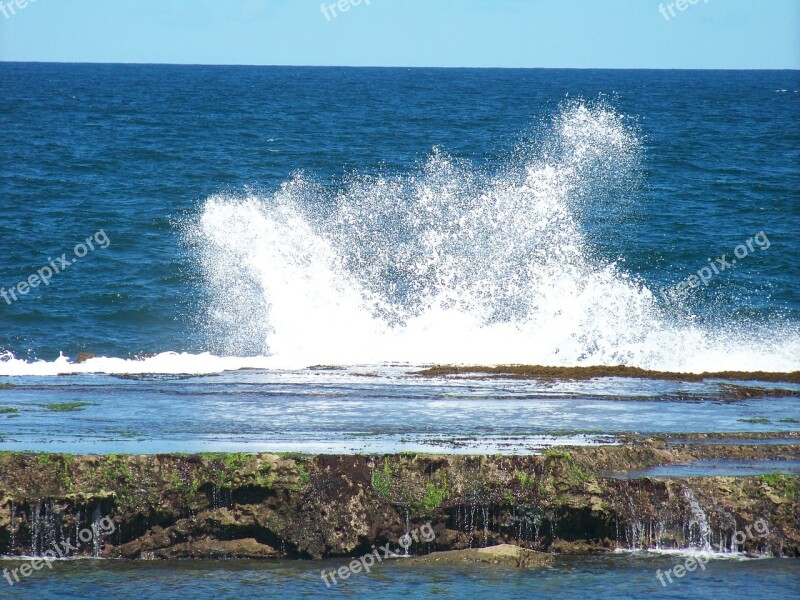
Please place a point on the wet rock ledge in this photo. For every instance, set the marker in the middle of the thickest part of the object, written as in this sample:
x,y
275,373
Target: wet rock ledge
x,y
312,507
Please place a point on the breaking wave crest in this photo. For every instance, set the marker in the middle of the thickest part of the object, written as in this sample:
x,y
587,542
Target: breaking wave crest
x,y
449,264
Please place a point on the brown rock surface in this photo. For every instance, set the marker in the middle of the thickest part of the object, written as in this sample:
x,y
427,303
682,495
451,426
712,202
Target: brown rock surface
x,y
292,506
502,554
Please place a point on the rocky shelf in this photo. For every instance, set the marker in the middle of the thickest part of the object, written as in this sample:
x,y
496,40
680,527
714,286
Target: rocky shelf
x,y
311,507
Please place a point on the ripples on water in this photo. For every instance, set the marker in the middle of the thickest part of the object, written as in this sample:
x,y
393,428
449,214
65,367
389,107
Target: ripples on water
x,y
373,410
617,577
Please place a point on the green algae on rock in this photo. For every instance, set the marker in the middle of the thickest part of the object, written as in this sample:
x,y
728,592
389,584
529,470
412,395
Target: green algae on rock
x,y
293,506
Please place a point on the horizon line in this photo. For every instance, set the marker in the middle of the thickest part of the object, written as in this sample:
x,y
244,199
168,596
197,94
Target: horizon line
x,y
192,64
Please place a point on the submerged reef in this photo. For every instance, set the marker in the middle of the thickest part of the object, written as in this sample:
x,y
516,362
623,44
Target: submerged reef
x,y
584,373
265,505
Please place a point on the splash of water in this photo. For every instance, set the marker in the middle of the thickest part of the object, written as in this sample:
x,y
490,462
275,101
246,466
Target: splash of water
x,y
446,265
451,265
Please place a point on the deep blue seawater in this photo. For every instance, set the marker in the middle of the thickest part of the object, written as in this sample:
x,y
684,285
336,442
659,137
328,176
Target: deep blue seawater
x,y
136,151
276,218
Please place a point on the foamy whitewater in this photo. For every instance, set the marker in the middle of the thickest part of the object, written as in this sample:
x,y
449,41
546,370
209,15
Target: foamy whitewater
x,y
446,265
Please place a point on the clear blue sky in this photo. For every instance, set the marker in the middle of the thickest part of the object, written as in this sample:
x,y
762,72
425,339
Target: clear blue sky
x,y
469,33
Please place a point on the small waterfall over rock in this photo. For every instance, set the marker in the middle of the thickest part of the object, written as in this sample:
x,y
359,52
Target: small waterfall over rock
x,y
96,539
698,531
672,518
407,534
46,526
43,527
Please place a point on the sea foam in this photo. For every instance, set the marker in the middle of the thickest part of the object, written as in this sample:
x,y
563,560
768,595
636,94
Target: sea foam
x,y
447,264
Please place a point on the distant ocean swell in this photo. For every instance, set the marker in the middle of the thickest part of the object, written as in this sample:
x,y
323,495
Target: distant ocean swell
x,y
445,265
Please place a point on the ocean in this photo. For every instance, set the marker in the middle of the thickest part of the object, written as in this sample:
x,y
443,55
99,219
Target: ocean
x,y
366,216
608,578
204,258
